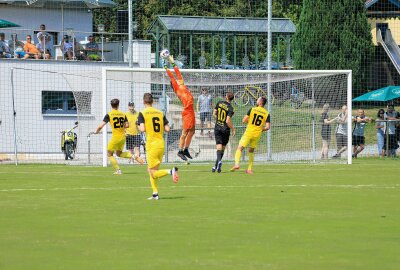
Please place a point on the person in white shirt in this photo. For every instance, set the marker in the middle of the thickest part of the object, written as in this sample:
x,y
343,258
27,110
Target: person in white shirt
x,y
45,39
204,107
341,132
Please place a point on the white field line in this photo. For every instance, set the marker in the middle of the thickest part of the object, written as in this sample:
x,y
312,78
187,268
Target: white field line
x,y
371,186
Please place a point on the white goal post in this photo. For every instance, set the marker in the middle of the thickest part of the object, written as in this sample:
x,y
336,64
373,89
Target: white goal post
x,y
293,95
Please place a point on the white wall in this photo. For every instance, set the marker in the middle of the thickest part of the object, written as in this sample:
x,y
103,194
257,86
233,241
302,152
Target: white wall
x,y
39,134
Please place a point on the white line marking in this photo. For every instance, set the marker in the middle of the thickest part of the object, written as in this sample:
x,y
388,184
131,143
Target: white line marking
x,y
396,186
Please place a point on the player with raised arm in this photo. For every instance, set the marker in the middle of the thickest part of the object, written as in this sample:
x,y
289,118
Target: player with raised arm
x,y
223,113
154,123
118,123
186,97
258,120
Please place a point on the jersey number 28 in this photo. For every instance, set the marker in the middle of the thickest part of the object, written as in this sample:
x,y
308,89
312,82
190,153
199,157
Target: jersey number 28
x,y
118,122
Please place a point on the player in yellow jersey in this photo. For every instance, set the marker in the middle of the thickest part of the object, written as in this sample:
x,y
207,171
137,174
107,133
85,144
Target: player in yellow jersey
x,y
118,123
258,120
154,123
133,134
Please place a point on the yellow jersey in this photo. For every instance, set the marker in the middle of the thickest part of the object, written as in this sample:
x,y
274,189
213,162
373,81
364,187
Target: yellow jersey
x,y
132,119
154,121
258,116
117,121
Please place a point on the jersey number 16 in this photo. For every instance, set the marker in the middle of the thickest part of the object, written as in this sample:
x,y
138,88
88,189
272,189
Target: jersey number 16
x,y
257,120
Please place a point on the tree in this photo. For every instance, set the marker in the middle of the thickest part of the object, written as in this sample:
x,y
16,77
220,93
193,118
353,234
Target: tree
x,y
334,34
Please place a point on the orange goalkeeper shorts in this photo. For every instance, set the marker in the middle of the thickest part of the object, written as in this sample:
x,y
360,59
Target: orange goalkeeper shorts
x,y
188,118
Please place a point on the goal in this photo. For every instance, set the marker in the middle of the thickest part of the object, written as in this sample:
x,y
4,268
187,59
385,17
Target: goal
x,y
35,111
295,101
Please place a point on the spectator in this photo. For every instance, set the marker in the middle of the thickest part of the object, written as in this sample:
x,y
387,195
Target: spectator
x,y
358,137
79,53
133,140
92,49
204,107
45,38
380,131
41,46
325,130
4,48
390,131
17,48
30,49
67,47
341,132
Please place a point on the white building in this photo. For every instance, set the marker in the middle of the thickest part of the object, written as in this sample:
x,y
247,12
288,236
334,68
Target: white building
x,y
45,94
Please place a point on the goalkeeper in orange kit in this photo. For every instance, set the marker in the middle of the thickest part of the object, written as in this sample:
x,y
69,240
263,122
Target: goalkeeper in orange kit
x,y
188,116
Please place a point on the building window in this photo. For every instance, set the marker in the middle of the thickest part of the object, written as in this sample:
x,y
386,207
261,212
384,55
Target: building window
x,y
63,102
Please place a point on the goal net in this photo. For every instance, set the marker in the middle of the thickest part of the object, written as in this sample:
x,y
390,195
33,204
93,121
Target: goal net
x,y
296,102
35,112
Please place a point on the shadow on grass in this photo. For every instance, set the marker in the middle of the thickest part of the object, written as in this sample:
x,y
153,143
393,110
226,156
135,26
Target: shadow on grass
x,y
255,172
173,198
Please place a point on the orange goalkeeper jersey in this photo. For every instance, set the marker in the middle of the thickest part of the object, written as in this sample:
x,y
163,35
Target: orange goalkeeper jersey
x,y
181,90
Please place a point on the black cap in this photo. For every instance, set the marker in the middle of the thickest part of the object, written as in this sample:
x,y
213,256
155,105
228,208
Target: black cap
x,y
131,104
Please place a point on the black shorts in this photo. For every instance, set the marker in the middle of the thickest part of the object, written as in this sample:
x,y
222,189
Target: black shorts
x,y
392,142
132,141
204,116
222,136
358,140
326,136
341,140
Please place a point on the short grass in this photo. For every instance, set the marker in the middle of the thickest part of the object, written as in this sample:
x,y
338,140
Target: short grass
x,y
282,217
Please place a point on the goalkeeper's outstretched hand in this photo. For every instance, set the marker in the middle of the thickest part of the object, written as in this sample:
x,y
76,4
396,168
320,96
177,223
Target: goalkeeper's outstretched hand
x,y
171,60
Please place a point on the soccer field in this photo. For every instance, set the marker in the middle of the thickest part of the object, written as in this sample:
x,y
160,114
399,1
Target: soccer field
x,y
282,217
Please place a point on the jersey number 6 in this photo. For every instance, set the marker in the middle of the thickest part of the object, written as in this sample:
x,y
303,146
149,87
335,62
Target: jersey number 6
x,y
156,124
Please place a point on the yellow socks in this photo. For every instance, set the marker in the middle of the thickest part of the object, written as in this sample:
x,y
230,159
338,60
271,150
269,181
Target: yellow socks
x,y
237,156
126,155
160,173
251,161
114,163
154,184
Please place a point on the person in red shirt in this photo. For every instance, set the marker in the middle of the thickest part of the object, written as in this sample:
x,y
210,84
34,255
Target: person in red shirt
x,y
188,116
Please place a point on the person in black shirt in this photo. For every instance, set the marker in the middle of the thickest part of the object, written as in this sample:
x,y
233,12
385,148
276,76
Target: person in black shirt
x,y
325,130
223,113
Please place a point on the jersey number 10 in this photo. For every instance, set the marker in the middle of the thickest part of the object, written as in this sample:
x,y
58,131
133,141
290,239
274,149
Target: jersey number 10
x,y
221,115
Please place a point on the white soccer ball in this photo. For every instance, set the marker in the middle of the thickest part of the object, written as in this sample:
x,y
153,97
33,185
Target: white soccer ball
x,y
164,53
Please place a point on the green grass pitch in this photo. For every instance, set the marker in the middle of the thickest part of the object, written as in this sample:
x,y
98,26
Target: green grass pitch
x,y
282,217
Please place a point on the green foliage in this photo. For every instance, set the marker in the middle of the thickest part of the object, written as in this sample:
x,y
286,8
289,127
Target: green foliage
x,y
334,35
145,12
